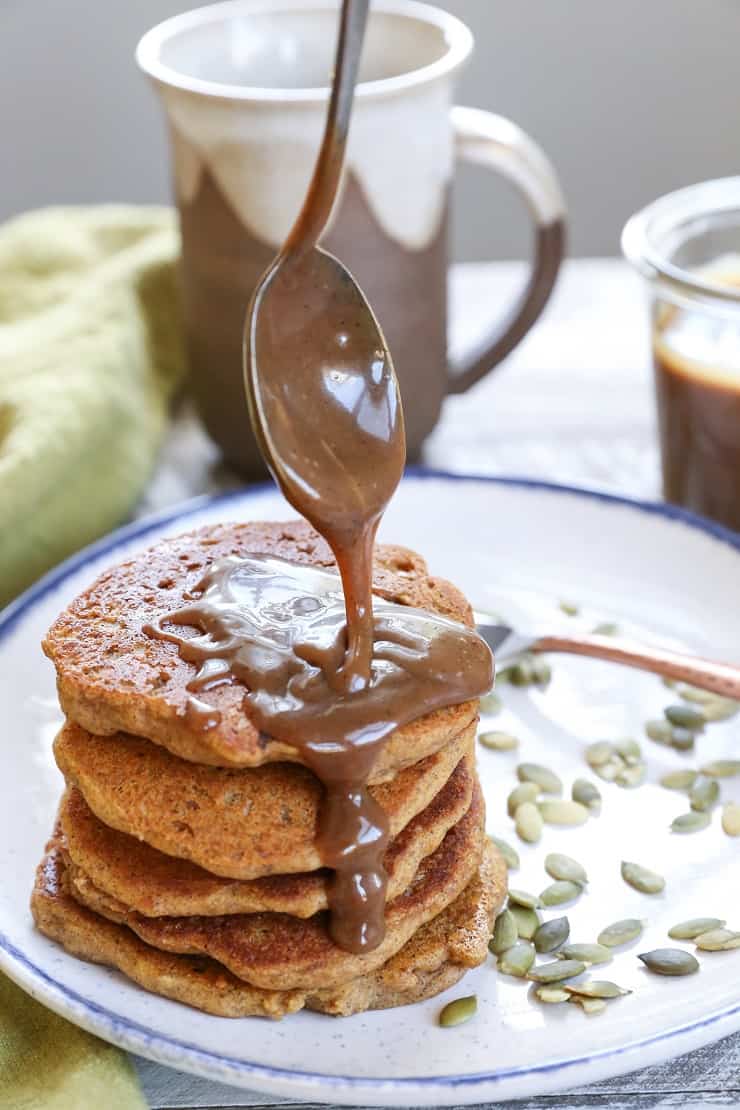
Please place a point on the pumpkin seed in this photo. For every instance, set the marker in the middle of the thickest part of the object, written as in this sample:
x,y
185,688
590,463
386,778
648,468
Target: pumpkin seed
x,y
609,771
524,792
689,930
527,921
559,812
731,819
491,704
505,933
517,960
560,866
632,776
685,716
606,628
569,608
682,739
559,892
587,794
458,1012
596,988
552,934
669,961
552,994
718,940
521,673
541,671
599,753
556,971
630,750
647,882
528,822
721,709
498,741
659,731
691,822
621,932
722,768
704,794
591,1005
586,953
679,780
546,779
524,898
509,854
695,694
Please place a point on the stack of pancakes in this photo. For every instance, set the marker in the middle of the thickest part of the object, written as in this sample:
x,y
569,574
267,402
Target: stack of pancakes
x,y
185,853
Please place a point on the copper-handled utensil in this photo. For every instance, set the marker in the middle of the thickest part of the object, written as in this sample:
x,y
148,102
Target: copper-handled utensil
x,y
720,678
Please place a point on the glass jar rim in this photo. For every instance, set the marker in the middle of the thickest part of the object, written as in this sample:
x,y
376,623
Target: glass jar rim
x,y
647,234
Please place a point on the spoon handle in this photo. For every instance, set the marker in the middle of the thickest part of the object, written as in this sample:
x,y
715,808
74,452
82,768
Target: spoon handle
x,y
720,678
322,191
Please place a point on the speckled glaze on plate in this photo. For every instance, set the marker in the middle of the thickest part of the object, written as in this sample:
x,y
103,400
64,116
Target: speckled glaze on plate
x,y
516,548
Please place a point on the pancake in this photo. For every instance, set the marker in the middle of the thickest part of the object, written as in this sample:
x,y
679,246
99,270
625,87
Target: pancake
x,y
112,678
133,874
434,959
237,823
278,952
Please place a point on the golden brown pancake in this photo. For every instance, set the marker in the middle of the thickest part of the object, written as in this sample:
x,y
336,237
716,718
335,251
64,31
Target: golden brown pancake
x,y
278,952
435,957
241,823
111,677
137,876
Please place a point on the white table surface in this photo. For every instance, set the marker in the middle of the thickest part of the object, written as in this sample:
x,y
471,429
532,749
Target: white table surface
x,y
572,404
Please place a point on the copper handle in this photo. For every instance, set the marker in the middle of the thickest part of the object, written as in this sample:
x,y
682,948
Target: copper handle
x,y
720,678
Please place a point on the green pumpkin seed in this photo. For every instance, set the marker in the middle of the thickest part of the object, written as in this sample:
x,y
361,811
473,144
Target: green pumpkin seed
x,y
599,753
509,854
528,823
630,750
689,930
560,892
640,878
546,779
491,705
521,673
517,960
569,608
721,709
505,933
552,934
586,953
524,898
679,780
704,794
458,1012
731,819
541,671
632,776
498,741
552,994
591,1006
596,988
587,794
718,940
669,961
695,694
524,792
682,739
691,822
559,812
527,921
621,932
722,768
560,866
685,716
606,628
659,731
557,971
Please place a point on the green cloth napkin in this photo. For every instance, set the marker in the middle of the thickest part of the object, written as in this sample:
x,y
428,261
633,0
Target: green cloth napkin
x,y
90,352
48,1064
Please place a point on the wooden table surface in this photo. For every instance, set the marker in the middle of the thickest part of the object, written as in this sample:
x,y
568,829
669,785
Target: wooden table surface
x,y
572,404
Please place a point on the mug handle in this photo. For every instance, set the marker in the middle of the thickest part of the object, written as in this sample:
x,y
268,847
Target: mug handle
x,y
485,139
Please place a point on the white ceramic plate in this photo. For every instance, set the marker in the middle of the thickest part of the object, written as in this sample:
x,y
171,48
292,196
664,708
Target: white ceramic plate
x,y
515,548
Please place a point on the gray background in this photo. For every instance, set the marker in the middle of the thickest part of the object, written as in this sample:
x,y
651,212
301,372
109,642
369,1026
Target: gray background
x,y
630,99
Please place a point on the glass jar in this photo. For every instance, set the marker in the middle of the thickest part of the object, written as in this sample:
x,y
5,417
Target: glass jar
x,y
687,245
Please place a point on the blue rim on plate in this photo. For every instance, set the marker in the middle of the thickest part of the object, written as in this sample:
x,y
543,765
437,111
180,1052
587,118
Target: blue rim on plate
x,y
138,1038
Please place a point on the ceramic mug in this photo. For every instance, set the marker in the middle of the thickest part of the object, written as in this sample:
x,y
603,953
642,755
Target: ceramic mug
x,y
244,87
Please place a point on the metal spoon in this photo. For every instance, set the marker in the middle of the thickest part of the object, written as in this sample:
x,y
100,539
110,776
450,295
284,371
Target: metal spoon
x,y
322,393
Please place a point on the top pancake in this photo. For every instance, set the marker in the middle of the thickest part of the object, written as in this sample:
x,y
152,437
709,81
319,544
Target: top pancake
x,y
112,677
